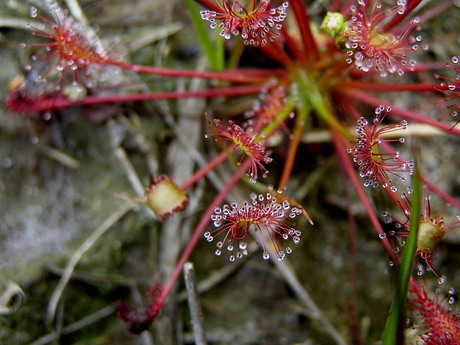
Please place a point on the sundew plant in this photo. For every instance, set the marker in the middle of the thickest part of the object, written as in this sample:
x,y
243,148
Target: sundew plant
x,y
300,156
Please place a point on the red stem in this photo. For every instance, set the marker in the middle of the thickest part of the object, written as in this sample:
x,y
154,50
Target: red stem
x,y
389,87
447,197
204,170
238,75
59,102
400,17
404,113
209,4
310,47
291,43
334,7
207,93
441,7
340,145
291,153
419,67
275,51
345,9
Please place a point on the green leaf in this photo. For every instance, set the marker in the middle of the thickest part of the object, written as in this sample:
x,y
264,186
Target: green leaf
x,y
394,328
214,53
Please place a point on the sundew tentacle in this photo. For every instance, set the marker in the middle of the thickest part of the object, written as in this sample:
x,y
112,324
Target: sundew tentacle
x,y
263,216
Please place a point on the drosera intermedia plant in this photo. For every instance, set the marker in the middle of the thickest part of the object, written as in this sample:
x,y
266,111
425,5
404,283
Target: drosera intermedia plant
x,y
324,81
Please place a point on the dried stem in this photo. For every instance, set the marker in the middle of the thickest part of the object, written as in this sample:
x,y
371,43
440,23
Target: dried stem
x,y
78,254
314,312
194,305
73,327
121,155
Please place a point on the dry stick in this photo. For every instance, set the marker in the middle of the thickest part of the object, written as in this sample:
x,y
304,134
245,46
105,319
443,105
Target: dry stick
x,y
120,154
75,258
143,144
148,38
216,277
291,279
87,320
194,305
77,12
196,155
93,278
413,130
174,232
16,23
315,313
60,157
133,178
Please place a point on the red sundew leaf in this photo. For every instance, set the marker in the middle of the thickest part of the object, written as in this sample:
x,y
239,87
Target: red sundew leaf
x,y
441,327
265,216
375,166
371,47
243,139
257,26
66,44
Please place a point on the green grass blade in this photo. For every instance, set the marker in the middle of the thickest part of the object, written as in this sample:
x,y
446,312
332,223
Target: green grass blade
x,y
214,54
219,51
394,328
